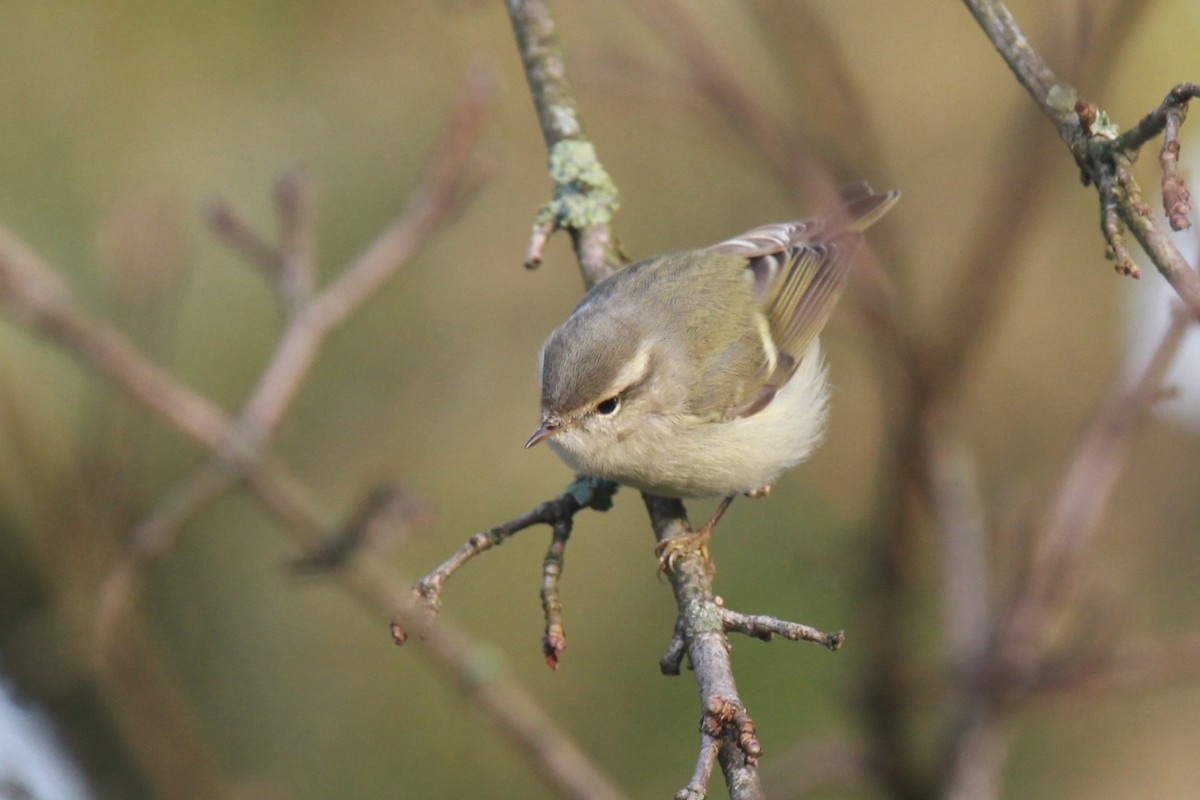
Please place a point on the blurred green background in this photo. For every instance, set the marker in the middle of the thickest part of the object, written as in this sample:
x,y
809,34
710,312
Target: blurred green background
x,y
119,119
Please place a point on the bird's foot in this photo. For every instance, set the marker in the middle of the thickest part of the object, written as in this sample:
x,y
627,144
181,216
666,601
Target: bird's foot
x,y
762,491
672,548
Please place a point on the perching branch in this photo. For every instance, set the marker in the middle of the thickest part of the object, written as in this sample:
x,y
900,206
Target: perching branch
x,y
706,646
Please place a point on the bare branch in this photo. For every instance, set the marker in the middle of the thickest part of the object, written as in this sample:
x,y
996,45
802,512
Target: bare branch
x,y
585,198
697,787
35,295
1096,147
1015,195
387,507
555,640
578,173
582,493
551,752
1082,494
297,251
707,648
238,448
438,196
229,227
1026,63
758,626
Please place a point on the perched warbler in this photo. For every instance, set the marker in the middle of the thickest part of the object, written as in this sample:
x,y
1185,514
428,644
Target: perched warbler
x,y
699,373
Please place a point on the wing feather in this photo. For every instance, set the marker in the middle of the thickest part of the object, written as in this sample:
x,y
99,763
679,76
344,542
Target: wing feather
x,y
798,270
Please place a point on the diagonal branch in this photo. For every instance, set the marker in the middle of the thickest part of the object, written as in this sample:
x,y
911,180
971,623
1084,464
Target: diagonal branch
x,y
34,294
1101,154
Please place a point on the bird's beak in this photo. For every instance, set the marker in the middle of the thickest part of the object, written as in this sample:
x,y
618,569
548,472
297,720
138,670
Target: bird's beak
x,y
548,428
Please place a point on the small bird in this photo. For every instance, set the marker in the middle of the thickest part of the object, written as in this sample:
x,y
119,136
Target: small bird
x,y
699,373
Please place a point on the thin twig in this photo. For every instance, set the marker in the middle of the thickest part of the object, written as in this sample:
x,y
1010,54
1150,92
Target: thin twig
x,y
385,506
37,296
758,626
585,198
672,661
1081,496
1014,196
229,227
518,715
438,196
297,249
554,642
697,787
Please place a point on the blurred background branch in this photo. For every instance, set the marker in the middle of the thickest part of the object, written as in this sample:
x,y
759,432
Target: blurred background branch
x,y
141,693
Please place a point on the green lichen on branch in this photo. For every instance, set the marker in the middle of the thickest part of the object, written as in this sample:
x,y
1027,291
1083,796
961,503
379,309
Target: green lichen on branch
x,y
584,194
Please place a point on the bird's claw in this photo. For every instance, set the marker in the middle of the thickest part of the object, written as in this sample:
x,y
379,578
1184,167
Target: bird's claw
x,y
672,548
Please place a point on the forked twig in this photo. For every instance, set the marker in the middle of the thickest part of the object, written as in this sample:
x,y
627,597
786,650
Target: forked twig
x,y
1099,149
582,493
238,448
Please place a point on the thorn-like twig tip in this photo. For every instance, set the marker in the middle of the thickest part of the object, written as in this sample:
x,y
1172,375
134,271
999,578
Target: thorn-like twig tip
x,y
552,648
537,242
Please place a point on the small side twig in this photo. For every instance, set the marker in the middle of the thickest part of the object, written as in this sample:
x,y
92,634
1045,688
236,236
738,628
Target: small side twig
x,y
758,626
672,661
1166,120
386,505
585,198
1113,228
297,249
240,237
697,787
35,295
554,642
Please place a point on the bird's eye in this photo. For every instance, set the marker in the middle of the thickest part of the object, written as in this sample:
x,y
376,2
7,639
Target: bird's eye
x,y
608,406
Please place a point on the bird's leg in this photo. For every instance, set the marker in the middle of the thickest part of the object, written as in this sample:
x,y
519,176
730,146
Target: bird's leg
x,y
672,547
